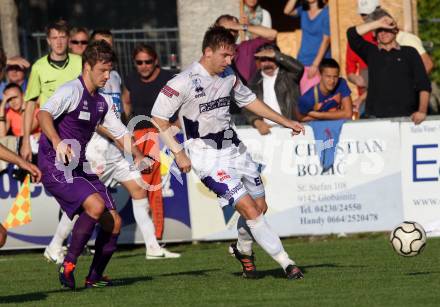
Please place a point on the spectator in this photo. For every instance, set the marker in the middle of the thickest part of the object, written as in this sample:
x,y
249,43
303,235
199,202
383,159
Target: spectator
x,y
356,69
406,39
78,40
47,74
244,61
315,41
276,83
12,118
103,34
11,157
398,82
141,89
113,85
16,74
255,15
15,71
328,100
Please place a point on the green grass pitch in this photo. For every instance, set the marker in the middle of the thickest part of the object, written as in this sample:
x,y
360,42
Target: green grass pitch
x,y
353,271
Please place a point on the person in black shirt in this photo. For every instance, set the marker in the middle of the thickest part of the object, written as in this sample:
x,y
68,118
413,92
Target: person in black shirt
x,y
141,89
398,83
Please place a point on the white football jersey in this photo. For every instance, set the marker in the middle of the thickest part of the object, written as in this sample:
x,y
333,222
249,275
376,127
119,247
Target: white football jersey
x,y
204,102
100,149
113,88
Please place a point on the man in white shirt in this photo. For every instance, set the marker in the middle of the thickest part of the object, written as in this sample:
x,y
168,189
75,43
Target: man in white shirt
x,y
276,83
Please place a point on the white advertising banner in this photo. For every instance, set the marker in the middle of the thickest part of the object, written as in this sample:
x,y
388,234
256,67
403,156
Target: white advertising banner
x,y
45,213
361,192
420,173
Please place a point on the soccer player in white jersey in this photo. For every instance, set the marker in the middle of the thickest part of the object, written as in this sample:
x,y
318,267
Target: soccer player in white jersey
x,y
112,168
203,92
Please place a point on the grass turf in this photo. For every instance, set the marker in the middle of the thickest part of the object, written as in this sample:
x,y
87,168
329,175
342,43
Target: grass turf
x,y
354,271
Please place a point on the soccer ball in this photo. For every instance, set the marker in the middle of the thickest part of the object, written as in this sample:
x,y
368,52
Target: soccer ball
x,y
408,239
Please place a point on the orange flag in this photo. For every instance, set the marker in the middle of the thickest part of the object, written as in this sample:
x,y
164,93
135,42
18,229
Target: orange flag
x,y
20,213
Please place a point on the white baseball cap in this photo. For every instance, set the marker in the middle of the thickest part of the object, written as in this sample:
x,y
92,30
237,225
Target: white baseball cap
x,y
367,6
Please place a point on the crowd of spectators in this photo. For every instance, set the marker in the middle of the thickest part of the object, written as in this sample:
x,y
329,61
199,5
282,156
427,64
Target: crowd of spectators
x,y
388,67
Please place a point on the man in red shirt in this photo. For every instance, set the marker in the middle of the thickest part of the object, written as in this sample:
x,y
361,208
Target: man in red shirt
x,y
356,69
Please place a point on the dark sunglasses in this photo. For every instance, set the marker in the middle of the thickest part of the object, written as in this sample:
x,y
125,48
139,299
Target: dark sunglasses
x,y
265,59
14,67
146,62
75,42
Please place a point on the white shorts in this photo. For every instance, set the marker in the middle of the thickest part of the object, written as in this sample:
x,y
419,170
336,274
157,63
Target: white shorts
x,y
108,162
229,175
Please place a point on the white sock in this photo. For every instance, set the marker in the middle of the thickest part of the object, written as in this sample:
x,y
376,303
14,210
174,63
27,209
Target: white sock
x,y
245,240
64,228
269,241
141,209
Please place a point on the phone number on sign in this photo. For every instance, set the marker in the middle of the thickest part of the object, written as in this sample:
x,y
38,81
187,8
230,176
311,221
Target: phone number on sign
x,y
338,207
352,218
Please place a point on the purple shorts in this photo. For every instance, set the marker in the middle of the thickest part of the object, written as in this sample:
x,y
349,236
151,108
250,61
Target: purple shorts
x,y
71,195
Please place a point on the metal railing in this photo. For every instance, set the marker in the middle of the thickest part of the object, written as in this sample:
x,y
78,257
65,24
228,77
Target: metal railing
x,y
164,40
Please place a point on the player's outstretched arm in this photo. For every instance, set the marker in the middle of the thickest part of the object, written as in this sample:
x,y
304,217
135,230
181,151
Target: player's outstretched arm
x,y
11,157
261,109
25,150
167,132
127,144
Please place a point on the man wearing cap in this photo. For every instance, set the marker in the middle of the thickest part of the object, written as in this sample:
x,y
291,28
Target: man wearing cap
x,y
398,82
276,83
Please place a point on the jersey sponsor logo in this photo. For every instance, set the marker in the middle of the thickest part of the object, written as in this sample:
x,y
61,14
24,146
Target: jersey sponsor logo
x,y
84,115
222,175
258,181
169,92
197,85
215,104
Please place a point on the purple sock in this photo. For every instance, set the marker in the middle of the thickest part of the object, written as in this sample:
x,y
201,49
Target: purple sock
x,y
105,246
81,233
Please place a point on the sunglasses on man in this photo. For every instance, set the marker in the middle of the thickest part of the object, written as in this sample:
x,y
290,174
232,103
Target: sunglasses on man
x,y
146,62
76,42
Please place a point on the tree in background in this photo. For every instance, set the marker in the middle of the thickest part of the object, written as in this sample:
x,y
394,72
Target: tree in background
x,y
429,31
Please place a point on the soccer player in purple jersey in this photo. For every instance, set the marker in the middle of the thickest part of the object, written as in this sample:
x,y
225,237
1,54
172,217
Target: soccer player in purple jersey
x,y
68,120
